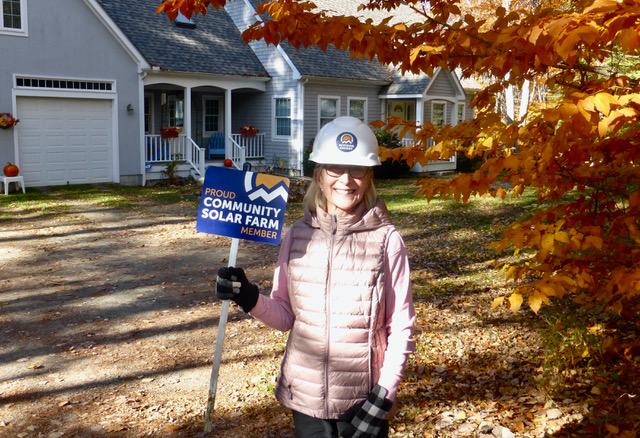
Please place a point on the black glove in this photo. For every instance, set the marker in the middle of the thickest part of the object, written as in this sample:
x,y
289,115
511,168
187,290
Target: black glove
x,y
369,417
232,284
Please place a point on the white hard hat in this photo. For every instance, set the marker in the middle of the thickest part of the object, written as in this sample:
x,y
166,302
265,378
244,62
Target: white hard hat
x,y
347,141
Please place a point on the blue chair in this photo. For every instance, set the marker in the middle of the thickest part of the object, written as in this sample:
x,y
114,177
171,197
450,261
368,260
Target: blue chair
x,y
215,148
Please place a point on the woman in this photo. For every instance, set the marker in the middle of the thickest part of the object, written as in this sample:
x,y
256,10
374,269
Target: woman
x,y
342,289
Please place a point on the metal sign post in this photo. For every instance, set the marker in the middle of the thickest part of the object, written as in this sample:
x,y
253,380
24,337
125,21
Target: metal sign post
x,y
217,357
241,205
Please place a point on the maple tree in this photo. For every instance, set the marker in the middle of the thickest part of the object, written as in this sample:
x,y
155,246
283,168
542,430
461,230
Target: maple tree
x,y
579,151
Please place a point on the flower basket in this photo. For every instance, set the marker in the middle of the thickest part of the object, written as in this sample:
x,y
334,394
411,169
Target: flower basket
x,y
169,132
7,120
248,131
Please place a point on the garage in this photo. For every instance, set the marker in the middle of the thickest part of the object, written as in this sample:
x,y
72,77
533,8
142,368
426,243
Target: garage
x,y
65,141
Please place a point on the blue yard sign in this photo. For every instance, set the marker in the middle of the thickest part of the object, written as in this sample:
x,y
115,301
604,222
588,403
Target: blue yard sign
x,y
243,205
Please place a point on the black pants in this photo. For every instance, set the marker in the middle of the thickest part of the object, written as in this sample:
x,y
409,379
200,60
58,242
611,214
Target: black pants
x,y
309,427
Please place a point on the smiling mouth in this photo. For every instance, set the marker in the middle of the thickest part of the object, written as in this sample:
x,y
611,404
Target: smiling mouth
x,y
344,191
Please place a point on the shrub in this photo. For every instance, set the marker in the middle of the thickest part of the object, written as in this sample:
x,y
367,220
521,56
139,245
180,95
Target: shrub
x,y
466,164
171,171
389,167
307,166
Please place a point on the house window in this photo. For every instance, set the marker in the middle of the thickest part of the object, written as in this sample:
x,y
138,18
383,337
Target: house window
x,y
329,109
211,115
172,111
438,114
459,112
148,113
282,116
64,84
358,107
11,19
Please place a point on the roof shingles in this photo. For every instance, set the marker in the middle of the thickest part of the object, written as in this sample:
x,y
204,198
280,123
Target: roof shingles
x,y
312,61
407,84
214,46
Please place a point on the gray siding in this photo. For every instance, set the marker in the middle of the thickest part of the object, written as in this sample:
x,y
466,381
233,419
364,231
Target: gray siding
x,y
67,40
342,90
256,109
442,85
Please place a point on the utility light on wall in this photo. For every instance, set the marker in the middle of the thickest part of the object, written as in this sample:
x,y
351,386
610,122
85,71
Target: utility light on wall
x,y
129,108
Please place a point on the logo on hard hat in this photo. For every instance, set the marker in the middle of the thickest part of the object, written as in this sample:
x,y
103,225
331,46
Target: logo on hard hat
x,y
346,142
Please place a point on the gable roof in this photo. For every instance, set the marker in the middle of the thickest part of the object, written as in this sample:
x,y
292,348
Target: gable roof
x,y
214,46
407,84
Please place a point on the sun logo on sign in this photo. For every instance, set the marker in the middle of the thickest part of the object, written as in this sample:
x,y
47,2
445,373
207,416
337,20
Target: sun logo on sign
x,y
346,142
267,187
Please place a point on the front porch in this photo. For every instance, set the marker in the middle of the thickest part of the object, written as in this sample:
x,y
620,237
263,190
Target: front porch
x,y
438,112
195,122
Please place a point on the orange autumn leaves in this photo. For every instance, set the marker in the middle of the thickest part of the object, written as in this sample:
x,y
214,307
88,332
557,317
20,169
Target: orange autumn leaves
x,y
187,8
579,151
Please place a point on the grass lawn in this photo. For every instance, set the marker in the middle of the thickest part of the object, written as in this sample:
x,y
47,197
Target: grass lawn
x,y
57,199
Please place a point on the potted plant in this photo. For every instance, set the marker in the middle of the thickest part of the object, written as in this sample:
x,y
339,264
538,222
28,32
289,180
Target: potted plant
x,y
248,130
169,132
7,120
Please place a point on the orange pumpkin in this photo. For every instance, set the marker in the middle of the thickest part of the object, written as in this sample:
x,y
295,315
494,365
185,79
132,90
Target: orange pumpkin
x,y
227,162
10,169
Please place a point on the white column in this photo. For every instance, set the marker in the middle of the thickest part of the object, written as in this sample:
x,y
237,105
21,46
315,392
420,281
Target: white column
x,y
187,111
227,123
420,111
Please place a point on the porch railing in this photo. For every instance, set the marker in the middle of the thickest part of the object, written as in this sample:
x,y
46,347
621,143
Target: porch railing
x,y
181,148
196,157
238,153
160,149
253,145
408,142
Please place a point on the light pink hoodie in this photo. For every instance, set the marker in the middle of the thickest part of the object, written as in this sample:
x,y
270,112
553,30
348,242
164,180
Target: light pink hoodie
x,y
342,287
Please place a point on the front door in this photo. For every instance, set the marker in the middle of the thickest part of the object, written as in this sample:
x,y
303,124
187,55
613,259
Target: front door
x,y
404,109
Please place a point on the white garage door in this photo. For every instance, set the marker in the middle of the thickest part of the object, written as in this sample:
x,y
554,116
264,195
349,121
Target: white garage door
x,y
65,141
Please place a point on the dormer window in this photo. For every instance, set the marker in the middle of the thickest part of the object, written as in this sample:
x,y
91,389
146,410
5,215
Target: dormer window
x,y
13,17
182,21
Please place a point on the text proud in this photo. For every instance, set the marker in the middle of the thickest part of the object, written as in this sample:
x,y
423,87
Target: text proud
x,y
244,205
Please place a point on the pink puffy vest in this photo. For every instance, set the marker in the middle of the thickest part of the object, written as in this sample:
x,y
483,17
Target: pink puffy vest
x,y
336,345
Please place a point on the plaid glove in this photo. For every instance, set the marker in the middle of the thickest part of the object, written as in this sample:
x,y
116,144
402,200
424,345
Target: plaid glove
x,y
232,284
368,420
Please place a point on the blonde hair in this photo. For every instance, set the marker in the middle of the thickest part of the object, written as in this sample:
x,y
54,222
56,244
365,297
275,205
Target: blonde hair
x,y
314,197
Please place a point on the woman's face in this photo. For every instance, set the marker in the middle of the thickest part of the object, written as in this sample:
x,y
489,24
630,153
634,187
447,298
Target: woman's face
x,y
343,186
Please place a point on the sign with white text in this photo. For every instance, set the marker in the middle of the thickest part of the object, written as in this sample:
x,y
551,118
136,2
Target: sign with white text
x,y
243,205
